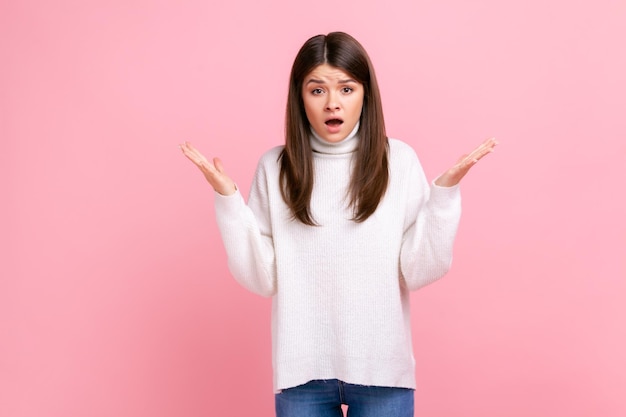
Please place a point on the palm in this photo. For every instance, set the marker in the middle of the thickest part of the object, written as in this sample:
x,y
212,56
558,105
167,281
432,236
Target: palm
x,y
213,171
454,175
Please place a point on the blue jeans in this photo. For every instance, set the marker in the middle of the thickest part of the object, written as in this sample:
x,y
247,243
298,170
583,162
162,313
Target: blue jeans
x,y
323,398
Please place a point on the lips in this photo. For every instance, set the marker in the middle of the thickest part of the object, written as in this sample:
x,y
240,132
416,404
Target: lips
x,y
333,125
333,122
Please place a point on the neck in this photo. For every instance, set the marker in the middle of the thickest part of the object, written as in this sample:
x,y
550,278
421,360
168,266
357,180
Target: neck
x,y
344,146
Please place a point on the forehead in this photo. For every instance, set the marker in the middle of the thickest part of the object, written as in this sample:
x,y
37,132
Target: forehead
x,y
327,73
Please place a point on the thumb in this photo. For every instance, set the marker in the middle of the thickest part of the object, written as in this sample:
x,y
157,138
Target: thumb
x,y
218,165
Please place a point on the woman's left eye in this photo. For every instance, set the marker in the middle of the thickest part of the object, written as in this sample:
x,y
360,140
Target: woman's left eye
x,y
346,90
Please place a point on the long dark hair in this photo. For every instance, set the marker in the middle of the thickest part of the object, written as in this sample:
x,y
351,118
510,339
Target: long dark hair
x,y
370,173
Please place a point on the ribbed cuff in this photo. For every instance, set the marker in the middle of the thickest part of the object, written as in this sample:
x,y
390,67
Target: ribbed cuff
x,y
228,203
444,197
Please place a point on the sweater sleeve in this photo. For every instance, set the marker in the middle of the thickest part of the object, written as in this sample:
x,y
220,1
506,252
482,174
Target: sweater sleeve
x,y
433,218
246,233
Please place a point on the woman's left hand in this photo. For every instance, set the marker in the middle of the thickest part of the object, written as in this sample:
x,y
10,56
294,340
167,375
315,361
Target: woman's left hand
x,y
454,175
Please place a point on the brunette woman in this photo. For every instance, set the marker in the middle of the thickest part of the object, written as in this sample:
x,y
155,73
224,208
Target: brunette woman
x,y
340,225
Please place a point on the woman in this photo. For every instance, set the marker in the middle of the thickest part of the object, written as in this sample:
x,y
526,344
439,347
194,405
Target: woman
x,y
340,225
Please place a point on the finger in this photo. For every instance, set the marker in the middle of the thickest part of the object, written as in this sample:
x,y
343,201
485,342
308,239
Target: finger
x,y
188,149
461,159
483,149
192,156
480,151
189,154
485,146
193,151
195,156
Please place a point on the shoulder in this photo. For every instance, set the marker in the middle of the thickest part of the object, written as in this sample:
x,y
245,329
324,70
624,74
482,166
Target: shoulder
x,y
272,154
404,165
267,169
270,159
401,153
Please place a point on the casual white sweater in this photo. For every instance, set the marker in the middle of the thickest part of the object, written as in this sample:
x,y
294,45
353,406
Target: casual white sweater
x,y
341,289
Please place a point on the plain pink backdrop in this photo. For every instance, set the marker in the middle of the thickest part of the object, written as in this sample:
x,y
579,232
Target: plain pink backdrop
x,y
115,299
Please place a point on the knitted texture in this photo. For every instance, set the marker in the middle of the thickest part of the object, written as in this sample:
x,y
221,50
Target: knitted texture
x,y
340,290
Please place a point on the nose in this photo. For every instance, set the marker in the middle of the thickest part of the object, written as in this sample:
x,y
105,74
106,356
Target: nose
x,y
332,103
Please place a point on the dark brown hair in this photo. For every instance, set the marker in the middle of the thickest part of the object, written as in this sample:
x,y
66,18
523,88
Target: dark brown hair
x,y
370,173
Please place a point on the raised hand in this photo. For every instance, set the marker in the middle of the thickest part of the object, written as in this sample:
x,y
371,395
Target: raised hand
x,y
454,175
213,172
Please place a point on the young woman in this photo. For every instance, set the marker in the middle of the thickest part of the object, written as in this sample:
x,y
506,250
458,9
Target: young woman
x,y
340,225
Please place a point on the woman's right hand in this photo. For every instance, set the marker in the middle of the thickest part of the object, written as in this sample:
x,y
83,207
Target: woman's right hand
x,y
213,172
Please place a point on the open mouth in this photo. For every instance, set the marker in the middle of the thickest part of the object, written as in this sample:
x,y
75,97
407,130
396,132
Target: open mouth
x,y
333,122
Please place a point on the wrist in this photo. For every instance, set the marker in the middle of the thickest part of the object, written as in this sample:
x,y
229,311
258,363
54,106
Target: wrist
x,y
228,190
442,181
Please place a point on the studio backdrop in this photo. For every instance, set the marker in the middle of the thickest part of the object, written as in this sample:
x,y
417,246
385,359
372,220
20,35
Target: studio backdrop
x,y
115,296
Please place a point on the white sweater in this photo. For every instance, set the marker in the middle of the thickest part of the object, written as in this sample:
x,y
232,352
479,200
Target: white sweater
x,y
340,290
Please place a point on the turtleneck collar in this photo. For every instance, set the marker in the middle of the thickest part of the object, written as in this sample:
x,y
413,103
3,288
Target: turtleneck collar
x,y
345,146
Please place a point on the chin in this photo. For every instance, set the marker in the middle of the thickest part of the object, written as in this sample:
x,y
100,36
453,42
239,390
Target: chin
x,y
335,137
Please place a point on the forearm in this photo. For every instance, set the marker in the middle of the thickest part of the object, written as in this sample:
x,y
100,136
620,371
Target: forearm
x,y
250,253
426,253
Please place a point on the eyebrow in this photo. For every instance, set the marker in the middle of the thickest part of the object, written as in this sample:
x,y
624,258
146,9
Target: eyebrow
x,y
316,81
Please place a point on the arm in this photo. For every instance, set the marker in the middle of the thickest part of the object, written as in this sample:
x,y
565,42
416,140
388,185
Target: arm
x,y
245,229
426,253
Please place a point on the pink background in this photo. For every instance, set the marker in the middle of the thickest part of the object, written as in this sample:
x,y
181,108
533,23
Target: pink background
x,y
115,299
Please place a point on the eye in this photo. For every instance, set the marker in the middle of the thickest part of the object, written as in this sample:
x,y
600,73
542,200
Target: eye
x,y
317,91
347,90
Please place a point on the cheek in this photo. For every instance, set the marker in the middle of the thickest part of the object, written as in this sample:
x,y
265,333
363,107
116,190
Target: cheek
x,y
310,111
358,107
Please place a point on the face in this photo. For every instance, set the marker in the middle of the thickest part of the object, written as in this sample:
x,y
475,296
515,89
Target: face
x,y
333,101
